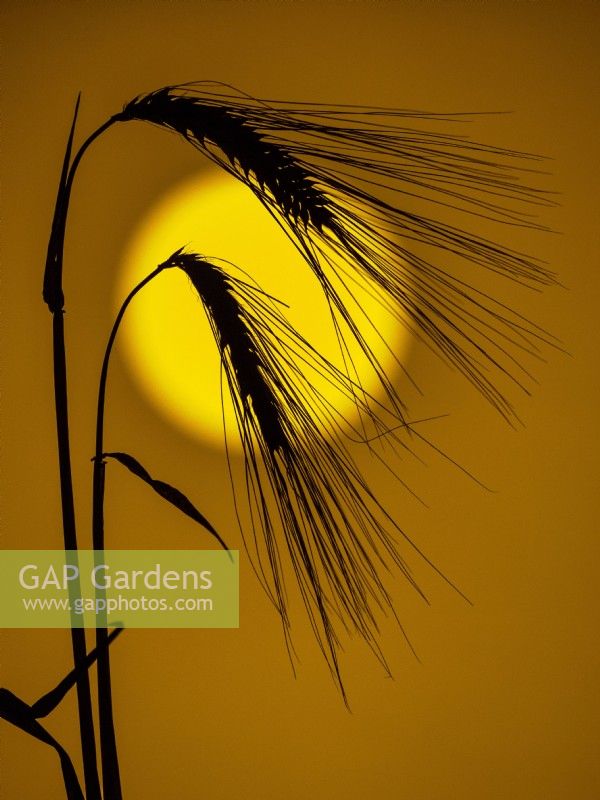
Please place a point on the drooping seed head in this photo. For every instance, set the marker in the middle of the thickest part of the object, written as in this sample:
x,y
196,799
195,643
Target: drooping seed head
x,y
309,508
229,323
379,197
204,121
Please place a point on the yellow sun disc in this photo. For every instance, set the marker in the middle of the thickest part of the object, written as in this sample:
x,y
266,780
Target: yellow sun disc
x,y
165,337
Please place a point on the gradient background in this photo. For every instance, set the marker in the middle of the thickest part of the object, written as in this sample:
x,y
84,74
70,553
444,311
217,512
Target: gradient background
x,y
505,701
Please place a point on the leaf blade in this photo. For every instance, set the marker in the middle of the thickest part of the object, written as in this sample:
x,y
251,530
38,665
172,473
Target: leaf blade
x,y
18,713
48,702
169,493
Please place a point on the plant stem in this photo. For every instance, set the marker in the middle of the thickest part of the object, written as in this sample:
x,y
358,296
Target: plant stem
x,y
53,296
108,745
84,698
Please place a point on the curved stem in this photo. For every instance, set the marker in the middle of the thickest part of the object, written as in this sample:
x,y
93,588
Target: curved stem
x,y
106,360
53,293
108,746
54,297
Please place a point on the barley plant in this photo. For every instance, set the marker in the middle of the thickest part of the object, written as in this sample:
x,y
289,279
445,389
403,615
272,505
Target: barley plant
x,y
385,199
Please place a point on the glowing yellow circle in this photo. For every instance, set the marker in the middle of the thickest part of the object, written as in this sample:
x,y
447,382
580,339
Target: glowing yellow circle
x,y
165,337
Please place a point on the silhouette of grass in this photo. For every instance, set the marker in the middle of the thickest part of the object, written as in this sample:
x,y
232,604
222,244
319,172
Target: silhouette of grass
x,y
54,298
382,198
308,505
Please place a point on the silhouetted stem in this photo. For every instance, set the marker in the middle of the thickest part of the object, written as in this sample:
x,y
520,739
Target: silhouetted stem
x,y
84,699
53,295
108,744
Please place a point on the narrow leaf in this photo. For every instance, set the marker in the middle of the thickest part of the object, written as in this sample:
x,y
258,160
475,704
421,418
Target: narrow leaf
x,y
47,703
52,292
25,717
18,713
166,491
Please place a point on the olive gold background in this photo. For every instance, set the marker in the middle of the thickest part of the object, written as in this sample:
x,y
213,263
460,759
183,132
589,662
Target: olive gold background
x,y
505,700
